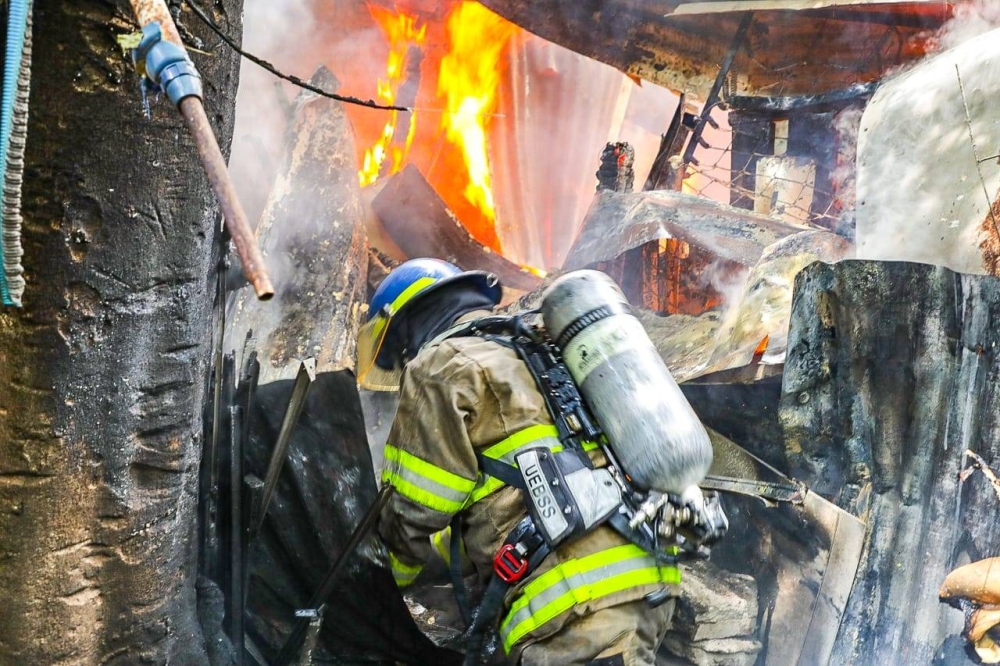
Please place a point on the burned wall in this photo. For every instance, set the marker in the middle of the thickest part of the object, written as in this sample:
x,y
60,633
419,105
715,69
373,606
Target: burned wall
x,y
890,376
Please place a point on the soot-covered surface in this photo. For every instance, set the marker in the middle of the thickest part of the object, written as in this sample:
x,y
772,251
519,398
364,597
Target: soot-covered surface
x,y
891,375
325,487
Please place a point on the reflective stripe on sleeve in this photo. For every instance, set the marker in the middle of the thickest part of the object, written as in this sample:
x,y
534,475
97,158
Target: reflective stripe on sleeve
x,y
579,581
404,574
506,450
424,483
442,542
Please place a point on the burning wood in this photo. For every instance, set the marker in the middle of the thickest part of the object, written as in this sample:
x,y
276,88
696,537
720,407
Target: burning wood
x,y
313,231
422,226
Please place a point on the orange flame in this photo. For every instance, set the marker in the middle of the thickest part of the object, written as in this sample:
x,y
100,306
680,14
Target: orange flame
x,y
467,83
401,30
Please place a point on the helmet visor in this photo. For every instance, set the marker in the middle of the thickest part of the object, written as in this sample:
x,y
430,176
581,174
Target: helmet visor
x,y
370,339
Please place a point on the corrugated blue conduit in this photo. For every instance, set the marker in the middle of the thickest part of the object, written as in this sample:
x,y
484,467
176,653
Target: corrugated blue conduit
x,y
13,126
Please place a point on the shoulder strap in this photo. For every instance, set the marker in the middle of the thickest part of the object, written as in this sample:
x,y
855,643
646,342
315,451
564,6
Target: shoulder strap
x,y
498,469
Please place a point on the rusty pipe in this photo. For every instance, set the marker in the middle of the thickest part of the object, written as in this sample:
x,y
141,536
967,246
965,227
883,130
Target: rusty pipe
x,y
193,111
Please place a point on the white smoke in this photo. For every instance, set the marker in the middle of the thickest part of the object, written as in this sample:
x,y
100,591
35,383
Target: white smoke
x,y
972,18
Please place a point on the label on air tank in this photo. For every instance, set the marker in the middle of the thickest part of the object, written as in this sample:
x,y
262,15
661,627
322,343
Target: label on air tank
x,y
600,341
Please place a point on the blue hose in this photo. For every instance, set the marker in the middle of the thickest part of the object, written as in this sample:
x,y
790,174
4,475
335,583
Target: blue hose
x,y
17,21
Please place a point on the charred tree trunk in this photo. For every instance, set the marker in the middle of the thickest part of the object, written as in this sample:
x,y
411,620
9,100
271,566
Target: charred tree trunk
x,y
102,374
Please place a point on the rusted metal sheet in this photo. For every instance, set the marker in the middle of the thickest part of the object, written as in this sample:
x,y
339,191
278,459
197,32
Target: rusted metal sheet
x,y
422,226
313,233
793,47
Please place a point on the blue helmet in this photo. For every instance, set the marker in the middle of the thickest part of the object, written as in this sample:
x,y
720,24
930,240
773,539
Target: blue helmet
x,y
419,277
405,285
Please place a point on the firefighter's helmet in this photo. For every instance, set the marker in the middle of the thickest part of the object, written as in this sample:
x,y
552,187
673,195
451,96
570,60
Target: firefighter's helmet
x,y
404,287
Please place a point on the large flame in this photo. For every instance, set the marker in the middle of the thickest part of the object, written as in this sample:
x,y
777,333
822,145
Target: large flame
x,y
467,84
402,31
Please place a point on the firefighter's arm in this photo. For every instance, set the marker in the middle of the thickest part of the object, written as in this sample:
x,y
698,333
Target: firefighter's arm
x,y
430,461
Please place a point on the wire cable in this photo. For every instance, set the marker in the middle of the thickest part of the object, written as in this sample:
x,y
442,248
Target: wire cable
x,y
371,104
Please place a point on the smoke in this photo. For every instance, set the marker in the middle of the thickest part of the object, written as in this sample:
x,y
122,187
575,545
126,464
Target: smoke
x,y
924,182
972,18
727,279
843,177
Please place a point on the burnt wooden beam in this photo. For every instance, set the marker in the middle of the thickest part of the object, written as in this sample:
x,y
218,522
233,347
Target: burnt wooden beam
x,y
421,225
313,233
792,52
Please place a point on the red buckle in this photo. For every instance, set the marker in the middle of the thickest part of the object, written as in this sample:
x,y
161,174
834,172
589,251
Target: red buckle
x,y
509,565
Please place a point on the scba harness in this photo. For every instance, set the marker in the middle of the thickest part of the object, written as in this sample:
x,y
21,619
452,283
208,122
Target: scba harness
x,y
565,494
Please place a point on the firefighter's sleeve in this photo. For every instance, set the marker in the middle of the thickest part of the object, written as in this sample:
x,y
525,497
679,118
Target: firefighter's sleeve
x,y
430,460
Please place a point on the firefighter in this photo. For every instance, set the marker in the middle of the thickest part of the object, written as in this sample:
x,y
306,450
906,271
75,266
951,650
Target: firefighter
x,y
597,599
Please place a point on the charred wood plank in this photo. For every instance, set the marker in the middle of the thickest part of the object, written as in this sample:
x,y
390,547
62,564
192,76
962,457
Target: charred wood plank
x,y
313,233
422,226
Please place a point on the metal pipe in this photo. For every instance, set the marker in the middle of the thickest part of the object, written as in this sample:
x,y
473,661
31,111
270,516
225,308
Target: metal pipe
x,y
193,111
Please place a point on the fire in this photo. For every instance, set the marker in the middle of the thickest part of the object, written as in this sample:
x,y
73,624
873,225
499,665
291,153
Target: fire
x,y
402,31
467,83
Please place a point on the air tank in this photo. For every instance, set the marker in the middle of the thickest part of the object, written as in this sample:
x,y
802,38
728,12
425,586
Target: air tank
x,y
651,427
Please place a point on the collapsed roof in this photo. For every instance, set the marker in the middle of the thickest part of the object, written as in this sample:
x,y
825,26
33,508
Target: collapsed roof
x,y
800,47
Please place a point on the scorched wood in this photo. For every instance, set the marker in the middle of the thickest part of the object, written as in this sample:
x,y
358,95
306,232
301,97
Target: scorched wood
x,y
313,234
890,378
796,52
422,226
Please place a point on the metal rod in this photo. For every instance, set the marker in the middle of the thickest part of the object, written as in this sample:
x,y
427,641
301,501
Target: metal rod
x,y
713,94
315,616
211,454
235,609
193,111
291,646
304,379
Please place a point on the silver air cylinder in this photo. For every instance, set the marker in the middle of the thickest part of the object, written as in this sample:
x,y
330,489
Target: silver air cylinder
x,y
650,426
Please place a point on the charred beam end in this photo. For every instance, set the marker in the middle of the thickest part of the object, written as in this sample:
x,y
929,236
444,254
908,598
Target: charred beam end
x,y
421,225
304,379
616,172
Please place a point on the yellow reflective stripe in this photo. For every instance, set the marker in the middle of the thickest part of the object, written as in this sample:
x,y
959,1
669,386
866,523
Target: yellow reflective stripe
x,y
579,581
424,483
502,450
433,472
408,293
489,486
519,439
403,573
438,540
